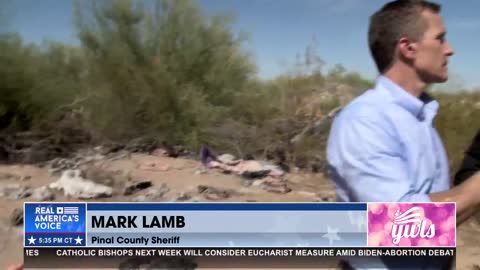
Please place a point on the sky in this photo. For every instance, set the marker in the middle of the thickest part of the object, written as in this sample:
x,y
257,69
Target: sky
x,y
280,29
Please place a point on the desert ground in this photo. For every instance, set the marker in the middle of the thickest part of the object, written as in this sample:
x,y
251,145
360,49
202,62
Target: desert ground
x,y
174,179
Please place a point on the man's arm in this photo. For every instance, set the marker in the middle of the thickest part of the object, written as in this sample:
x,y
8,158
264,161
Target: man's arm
x,y
471,162
372,167
466,195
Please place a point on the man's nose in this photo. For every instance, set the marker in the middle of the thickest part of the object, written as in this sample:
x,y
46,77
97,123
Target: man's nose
x,y
449,50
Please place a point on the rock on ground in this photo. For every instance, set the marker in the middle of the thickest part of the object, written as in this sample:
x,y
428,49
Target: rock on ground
x,y
153,194
16,217
134,186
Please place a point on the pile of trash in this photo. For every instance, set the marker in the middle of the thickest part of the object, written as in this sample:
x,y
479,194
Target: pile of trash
x,y
250,169
84,177
270,174
75,186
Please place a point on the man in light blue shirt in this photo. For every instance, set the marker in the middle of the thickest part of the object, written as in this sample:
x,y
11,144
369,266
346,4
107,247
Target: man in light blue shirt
x,y
383,146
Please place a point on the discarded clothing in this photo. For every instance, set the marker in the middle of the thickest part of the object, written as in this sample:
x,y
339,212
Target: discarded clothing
x,y
250,169
207,156
73,185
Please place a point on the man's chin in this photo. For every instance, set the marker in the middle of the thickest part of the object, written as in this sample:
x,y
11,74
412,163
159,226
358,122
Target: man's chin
x,y
442,79
430,78
439,78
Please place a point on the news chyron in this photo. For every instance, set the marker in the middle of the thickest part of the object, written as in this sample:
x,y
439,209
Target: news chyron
x,y
233,235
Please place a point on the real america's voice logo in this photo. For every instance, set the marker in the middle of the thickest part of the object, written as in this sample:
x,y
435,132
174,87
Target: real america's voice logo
x,y
52,218
408,224
54,224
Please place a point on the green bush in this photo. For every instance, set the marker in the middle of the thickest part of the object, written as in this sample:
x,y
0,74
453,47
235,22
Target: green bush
x,y
166,73
457,123
36,82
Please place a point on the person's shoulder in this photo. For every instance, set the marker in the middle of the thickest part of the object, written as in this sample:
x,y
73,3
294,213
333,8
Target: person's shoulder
x,y
373,114
373,106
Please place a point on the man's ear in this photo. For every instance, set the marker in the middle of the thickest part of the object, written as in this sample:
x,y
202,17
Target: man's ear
x,y
407,48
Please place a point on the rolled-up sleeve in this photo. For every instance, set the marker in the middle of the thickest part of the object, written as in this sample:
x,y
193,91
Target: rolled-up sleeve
x,y
368,162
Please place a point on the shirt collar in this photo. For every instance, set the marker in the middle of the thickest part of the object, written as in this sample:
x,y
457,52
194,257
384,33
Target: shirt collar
x,y
423,108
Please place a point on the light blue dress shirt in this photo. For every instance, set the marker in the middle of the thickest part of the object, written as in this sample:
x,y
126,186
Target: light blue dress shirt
x,y
383,148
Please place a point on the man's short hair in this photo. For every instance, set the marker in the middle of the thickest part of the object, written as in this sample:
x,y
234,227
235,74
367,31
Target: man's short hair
x,y
397,19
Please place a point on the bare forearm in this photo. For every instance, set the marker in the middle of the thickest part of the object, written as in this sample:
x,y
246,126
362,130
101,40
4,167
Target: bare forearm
x,y
466,195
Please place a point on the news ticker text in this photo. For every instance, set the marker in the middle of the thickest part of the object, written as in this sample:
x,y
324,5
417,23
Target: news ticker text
x,y
218,257
242,252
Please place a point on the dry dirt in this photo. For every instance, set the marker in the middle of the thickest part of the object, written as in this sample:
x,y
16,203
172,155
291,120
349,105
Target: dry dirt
x,y
183,175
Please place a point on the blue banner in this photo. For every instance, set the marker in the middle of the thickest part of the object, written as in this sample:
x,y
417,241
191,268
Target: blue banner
x,y
228,206
196,224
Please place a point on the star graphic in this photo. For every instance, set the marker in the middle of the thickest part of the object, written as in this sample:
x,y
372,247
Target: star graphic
x,y
332,235
31,240
78,240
